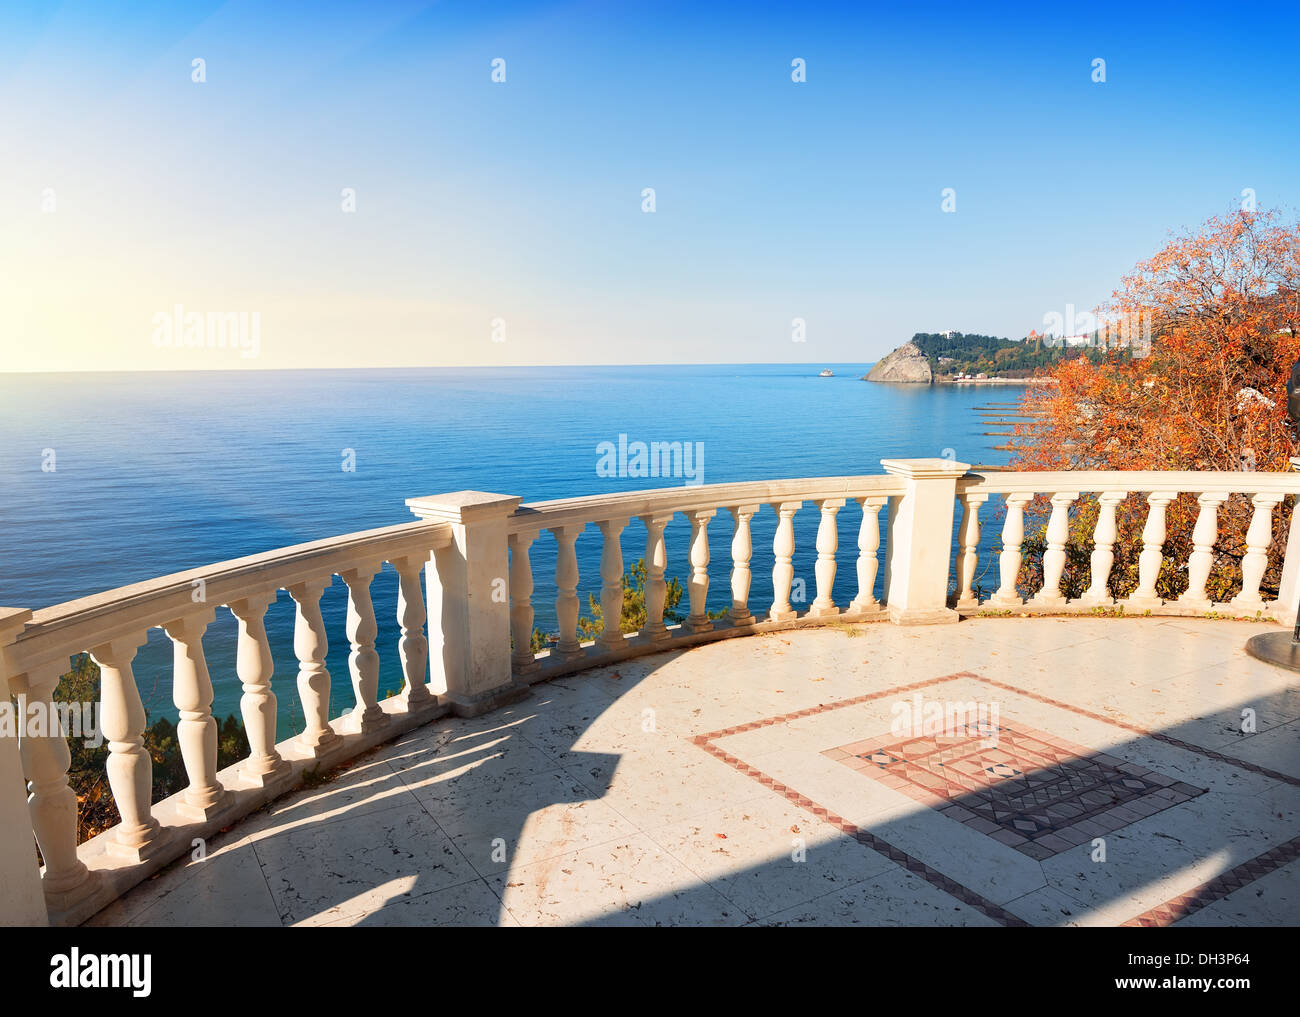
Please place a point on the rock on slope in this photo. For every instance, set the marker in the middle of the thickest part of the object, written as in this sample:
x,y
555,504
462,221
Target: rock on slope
x,y
905,364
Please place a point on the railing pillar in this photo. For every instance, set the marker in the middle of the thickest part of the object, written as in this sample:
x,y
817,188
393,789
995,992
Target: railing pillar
x,y
1058,536
1204,536
1013,536
363,662
255,668
828,542
1258,537
130,770
698,587
1103,551
969,539
311,645
413,648
656,589
21,899
611,584
868,546
783,562
196,729
471,579
920,540
522,659
567,645
742,550
1144,598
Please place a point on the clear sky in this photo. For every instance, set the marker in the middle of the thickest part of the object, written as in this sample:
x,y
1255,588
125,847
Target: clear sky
x,y
128,188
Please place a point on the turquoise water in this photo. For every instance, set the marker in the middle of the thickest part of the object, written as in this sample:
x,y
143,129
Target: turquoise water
x,y
156,473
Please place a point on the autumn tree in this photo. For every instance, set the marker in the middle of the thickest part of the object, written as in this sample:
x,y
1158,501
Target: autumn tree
x,y
1222,307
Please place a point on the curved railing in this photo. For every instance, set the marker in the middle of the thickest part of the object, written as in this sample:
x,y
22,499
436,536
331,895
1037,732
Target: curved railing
x,y
474,552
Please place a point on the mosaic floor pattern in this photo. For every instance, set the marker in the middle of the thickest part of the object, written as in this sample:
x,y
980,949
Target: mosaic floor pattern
x,y
1032,791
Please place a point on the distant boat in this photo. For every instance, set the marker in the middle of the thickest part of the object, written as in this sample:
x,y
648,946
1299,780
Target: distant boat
x,y
828,373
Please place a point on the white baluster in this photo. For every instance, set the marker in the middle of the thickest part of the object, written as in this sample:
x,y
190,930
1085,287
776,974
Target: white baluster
x,y
868,545
363,662
1058,535
1153,541
1258,536
611,584
258,704
1103,550
51,801
196,730
656,589
413,648
783,568
698,620
828,542
130,770
742,549
1013,535
1204,535
566,600
969,536
311,644
522,660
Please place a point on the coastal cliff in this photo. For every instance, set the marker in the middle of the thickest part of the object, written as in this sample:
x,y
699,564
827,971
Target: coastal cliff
x,y
906,364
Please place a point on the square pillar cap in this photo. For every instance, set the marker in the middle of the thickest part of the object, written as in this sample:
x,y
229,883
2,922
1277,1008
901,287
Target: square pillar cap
x,y
463,506
933,468
12,622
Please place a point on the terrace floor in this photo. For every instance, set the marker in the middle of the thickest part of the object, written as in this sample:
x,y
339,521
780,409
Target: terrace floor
x,y
767,780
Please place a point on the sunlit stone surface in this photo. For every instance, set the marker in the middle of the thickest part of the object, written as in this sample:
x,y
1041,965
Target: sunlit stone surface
x,y
678,789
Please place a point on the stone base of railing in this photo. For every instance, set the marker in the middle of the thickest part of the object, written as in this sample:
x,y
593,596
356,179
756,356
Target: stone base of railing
x,y
679,637
113,875
474,706
937,616
1163,609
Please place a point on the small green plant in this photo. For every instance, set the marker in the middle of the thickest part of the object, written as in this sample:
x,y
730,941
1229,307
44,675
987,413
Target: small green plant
x,y
634,609
316,776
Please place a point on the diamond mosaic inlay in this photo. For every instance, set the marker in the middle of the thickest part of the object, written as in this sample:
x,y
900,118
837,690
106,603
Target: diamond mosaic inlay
x,y
1034,792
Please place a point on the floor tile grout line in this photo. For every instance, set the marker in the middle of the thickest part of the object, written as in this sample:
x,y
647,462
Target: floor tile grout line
x,y
330,821
261,869
1049,885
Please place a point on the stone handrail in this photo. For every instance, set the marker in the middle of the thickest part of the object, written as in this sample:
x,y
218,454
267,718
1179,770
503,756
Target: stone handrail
x,y
473,550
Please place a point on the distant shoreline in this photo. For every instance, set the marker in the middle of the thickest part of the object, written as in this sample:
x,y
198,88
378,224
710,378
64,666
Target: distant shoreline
x,y
994,381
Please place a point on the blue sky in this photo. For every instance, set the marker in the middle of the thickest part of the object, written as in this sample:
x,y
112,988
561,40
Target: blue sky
x,y
521,202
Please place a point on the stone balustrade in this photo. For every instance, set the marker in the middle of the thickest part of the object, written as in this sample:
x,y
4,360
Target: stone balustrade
x,y
1063,492
473,551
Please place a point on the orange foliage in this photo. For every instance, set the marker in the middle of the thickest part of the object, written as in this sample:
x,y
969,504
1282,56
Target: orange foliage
x,y
1223,304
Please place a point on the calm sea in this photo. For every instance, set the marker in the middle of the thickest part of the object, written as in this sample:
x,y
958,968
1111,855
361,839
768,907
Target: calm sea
x,y
109,479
